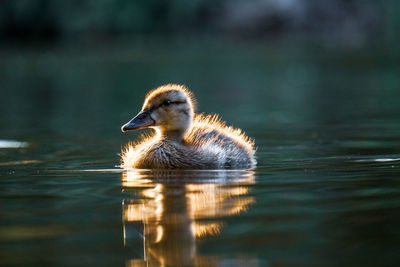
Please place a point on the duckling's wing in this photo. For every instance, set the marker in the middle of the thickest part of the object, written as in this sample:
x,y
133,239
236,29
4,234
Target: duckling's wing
x,y
211,127
210,134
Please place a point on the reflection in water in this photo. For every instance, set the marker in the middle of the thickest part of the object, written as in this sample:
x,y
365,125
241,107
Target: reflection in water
x,y
174,207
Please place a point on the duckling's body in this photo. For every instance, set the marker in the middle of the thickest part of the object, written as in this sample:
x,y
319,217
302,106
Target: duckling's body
x,y
182,139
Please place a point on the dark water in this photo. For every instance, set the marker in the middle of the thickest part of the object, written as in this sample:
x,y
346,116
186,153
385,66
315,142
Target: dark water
x,y
326,191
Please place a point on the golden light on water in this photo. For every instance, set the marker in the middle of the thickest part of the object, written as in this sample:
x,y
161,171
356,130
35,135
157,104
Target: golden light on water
x,y
176,208
206,229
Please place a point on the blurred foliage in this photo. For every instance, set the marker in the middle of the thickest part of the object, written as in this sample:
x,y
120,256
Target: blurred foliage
x,y
332,21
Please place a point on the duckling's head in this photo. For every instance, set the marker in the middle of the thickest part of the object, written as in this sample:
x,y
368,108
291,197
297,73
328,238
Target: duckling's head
x,y
168,108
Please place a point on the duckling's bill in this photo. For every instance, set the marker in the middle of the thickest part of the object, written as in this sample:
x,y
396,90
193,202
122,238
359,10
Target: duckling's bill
x,y
140,121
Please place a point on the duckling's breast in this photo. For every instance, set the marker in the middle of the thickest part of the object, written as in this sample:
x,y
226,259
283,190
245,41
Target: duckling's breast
x,y
167,154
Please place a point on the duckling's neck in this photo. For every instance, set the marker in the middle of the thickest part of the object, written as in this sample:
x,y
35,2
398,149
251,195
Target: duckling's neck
x,y
173,135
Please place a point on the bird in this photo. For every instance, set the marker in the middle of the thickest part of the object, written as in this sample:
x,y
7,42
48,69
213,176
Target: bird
x,y
183,139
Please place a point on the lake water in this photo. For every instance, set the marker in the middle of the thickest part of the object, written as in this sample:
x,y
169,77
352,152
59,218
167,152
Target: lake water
x,y
326,191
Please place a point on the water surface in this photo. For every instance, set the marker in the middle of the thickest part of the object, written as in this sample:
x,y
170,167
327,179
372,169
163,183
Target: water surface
x,y
325,191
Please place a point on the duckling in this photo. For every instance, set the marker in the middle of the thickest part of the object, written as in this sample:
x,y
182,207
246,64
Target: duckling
x,y
183,139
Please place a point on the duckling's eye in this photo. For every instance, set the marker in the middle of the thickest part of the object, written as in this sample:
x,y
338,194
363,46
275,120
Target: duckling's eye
x,y
166,102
